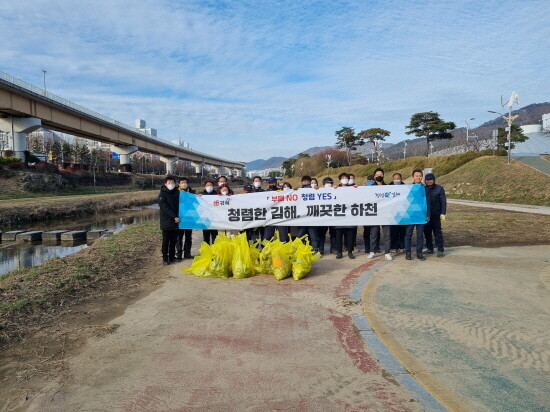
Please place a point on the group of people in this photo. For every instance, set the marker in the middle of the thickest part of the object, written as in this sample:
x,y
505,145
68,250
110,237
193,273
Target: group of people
x,y
176,243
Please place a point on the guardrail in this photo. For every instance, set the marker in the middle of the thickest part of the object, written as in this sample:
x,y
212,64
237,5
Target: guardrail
x,y
14,81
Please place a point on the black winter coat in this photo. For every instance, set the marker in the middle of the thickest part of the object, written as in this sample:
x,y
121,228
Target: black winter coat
x,y
437,200
169,201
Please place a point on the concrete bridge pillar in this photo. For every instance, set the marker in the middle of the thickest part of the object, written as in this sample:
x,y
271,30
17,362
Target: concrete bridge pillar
x,y
215,170
197,167
124,152
169,160
18,128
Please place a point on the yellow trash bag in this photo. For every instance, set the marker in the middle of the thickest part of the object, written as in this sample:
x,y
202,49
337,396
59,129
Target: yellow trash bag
x,y
201,263
281,259
303,257
263,264
243,264
222,255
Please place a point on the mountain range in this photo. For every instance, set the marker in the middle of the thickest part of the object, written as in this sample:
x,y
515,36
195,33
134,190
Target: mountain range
x,y
531,114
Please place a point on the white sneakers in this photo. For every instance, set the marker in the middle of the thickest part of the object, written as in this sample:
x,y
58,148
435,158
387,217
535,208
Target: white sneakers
x,y
371,255
388,256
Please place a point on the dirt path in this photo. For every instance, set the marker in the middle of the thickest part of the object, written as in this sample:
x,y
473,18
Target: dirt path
x,y
212,344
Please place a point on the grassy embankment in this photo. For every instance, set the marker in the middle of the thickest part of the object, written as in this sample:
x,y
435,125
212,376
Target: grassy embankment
x,y
32,210
32,297
471,175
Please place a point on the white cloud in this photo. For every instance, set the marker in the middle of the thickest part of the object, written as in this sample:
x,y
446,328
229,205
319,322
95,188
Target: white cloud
x,y
258,79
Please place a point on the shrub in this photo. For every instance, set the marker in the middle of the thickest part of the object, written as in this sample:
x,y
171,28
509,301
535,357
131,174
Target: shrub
x,y
8,160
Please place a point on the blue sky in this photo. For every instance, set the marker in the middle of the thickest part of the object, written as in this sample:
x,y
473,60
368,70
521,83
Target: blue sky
x,y
255,79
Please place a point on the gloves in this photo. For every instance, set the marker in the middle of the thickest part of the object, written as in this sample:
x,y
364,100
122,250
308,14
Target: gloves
x,y
442,218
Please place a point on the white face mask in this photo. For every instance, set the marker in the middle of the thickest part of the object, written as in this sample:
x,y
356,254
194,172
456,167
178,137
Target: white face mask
x,y
344,181
171,186
257,185
184,185
224,192
286,188
397,182
351,181
314,185
328,184
220,183
209,189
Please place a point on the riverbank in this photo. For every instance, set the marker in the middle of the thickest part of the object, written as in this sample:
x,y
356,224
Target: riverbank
x,y
110,269
19,211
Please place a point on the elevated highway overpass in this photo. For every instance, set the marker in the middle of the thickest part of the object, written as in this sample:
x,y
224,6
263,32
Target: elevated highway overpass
x,y
25,108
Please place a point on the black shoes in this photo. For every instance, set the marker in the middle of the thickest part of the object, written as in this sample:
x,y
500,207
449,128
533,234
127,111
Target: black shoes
x,y
408,256
188,256
351,255
440,253
420,256
430,251
165,262
339,255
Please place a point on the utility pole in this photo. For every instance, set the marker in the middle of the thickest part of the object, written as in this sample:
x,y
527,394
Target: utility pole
x,y
514,98
405,150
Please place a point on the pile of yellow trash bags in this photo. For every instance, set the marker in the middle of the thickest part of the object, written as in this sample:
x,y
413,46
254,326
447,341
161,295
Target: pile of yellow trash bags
x,y
235,256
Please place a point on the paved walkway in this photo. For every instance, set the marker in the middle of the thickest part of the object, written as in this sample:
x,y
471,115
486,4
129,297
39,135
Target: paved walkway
x,y
253,344
475,323
542,210
537,162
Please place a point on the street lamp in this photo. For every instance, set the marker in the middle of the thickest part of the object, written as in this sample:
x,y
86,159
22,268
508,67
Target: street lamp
x,y
44,72
467,129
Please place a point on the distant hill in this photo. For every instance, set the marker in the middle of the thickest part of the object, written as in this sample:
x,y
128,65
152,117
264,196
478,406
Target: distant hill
x,y
274,162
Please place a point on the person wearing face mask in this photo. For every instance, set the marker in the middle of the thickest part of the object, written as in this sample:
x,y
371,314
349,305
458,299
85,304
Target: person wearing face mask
x,y
366,229
183,248
223,180
168,200
310,231
344,234
314,183
209,236
375,230
328,183
224,190
287,186
417,176
397,232
352,183
257,184
268,232
438,209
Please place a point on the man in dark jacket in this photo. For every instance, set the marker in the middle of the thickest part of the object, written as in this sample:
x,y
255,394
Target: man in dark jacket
x,y
168,200
375,230
438,209
183,249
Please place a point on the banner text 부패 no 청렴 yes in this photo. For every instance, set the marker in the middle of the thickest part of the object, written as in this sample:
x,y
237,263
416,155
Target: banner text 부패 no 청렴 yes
x,y
342,206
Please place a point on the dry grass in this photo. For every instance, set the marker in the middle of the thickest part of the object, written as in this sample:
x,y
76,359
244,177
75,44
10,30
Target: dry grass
x,y
483,227
32,297
492,179
31,210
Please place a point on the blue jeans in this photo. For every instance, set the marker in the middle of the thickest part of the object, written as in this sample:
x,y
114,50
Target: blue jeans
x,y
419,238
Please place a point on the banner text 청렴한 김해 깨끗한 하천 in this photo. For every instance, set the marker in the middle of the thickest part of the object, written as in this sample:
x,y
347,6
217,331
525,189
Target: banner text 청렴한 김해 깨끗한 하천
x,y
341,206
